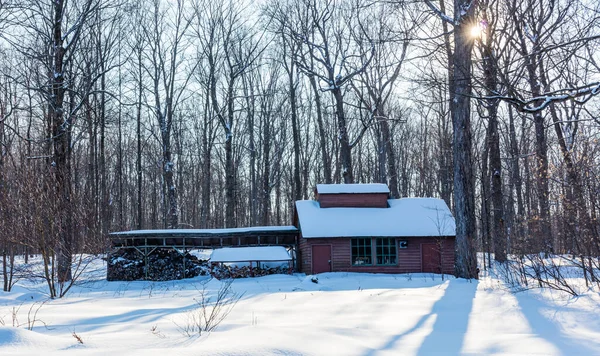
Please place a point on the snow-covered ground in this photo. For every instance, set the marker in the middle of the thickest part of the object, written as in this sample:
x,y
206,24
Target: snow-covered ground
x,y
342,314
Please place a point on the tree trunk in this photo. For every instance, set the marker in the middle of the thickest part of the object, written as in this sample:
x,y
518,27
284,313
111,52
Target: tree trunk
x,y
230,186
541,155
295,133
541,146
61,138
266,181
121,191
104,194
446,161
495,163
389,153
321,127
171,201
575,205
138,131
206,167
250,109
515,181
345,149
460,93
4,235
485,198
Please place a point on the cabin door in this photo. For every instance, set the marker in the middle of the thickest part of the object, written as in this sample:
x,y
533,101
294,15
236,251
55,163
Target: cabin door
x,y
431,258
321,258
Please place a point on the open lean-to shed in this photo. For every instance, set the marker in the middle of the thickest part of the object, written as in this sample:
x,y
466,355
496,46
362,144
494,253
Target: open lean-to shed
x,y
255,257
356,228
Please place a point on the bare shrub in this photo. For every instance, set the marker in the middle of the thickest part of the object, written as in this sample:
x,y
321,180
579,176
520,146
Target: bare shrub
x,y
32,316
77,337
557,272
210,310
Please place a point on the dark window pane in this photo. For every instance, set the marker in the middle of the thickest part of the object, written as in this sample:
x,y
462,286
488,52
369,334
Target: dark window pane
x,y
361,251
386,251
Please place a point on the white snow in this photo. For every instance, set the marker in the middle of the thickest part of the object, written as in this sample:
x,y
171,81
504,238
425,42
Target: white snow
x,y
245,254
207,231
343,314
352,188
405,217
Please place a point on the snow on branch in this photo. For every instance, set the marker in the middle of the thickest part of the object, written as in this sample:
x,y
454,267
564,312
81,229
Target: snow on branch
x,y
439,12
578,95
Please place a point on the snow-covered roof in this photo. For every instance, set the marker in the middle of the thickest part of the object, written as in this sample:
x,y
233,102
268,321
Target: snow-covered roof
x,y
352,188
238,230
404,217
245,254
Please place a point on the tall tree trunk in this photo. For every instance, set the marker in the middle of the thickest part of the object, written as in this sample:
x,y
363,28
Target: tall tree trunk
x,y
266,181
230,184
321,127
515,181
541,145
121,191
445,139
485,197
541,155
4,214
206,166
250,98
295,133
495,163
156,188
460,93
575,205
91,182
344,140
387,147
171,201
104,194
61,138
138,131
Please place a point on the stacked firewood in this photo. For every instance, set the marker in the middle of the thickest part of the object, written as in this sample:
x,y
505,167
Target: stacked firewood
x,y
162,265
221,271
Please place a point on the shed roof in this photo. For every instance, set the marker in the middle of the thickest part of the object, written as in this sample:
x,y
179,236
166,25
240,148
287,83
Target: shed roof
x,y
246,254
352,188
404,218
211,232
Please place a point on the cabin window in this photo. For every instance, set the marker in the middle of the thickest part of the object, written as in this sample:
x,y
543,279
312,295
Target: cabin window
x,y
386,251
361,252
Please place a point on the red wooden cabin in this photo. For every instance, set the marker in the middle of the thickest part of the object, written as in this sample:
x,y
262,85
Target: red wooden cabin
x,y
356,228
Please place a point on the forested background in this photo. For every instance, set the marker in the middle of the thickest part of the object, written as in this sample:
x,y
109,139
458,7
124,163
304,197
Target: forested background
x,y
119,115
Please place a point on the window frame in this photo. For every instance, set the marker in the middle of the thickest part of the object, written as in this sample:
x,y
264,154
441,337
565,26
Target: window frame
x,y
392,249
368,251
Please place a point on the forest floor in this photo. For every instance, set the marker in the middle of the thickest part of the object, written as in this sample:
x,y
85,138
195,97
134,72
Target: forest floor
x,y
341,314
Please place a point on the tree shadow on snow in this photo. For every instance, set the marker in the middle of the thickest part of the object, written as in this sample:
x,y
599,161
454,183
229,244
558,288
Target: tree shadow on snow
x,y
346,281
137,316
547,329
450,327
452,312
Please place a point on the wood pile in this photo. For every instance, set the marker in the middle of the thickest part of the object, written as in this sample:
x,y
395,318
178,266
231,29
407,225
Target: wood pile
x,y
163,265
221,271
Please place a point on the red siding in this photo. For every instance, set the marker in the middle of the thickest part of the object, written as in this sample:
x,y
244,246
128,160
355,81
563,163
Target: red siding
x,y
409,259
321,255
358,200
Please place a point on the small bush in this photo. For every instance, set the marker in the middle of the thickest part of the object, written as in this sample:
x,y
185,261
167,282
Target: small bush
x,y
209,311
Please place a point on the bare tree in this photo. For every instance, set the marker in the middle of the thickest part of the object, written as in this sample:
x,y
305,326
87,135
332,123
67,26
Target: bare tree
x,y
391,43
460,101
492,184
322,34
231,49
166,40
